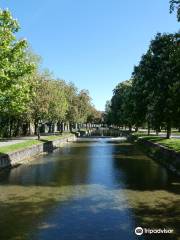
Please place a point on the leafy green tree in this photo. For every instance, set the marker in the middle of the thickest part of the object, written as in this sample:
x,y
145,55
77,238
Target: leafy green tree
x,y
163,49
141,84
120,110
175,5
84,105
58,104
108,115
153,81
79,105
152,95
94,116
72,99
14,89
29,95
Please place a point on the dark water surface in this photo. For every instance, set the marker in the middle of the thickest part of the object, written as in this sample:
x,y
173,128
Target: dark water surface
x,y
89,190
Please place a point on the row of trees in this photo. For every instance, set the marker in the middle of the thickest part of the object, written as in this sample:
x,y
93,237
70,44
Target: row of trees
x,y
152,96
28,95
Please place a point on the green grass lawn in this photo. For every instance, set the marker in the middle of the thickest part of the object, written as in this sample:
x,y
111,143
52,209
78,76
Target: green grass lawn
x,y
139,134
172,143
143,133
30,143
54,137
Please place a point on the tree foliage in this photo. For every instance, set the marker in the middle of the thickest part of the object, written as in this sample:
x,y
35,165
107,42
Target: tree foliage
x,y
14,89
175,6
28,95
152,96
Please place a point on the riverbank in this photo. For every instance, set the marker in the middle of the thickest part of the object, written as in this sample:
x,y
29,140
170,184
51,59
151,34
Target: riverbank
x,y
97,187
165,151
173,143
16,154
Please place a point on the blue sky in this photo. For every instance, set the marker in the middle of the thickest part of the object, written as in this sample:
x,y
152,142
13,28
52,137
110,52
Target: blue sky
x,y
93,43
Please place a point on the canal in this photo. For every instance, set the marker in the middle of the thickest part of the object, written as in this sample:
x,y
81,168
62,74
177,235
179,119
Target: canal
x,y
96,189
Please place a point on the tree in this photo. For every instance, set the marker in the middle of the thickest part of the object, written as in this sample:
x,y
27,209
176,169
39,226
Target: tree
x,y
79,105
58,104
94,116
163,49
72,99
120,110
14,66
84,105
141,84
175,5
108,113
39,105
28,94
152,95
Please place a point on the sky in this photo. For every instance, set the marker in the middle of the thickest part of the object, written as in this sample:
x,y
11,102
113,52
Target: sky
x,y
93,43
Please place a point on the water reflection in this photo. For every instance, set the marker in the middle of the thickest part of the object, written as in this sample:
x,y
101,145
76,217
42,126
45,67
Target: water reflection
x,y
139,172
88,190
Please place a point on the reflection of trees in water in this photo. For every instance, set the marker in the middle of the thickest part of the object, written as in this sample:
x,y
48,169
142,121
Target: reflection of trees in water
x,y
75,169
165,213
65,167
151,195
34,192
25,211
139,171
28,211
18,219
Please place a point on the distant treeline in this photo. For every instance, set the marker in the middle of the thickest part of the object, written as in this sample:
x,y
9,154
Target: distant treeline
x,y
151,98
30,96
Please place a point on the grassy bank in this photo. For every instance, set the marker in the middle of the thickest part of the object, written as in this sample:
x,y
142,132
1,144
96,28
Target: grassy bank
x,y
172,143
31,142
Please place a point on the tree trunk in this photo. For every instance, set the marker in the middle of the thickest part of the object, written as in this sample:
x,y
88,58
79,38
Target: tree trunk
x,y
38,131
168,135
149,129
62,127
29,128
25,129
130,128
50,127
10,127
17,128
36,127
59,126
70,127
136,129
38,134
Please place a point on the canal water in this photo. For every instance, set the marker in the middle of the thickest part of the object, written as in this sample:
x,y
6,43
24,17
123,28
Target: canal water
x,y
93,189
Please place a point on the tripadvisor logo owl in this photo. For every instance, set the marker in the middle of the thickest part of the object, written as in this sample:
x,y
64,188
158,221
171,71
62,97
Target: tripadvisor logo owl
x,y
139,231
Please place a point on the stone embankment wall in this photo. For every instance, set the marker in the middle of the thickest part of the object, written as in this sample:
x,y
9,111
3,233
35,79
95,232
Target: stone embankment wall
x,y
165,156
16,158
